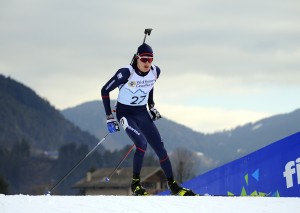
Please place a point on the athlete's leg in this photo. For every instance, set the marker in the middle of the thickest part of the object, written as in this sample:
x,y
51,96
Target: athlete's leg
x,y
129,125
154,139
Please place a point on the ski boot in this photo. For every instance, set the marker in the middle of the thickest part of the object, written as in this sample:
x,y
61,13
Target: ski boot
x,y
137,189
180,191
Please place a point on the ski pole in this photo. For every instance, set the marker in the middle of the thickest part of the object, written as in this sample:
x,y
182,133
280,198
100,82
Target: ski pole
x,y
77,164
121,161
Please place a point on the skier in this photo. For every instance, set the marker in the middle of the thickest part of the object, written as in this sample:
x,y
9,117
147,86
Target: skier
x,y
135,83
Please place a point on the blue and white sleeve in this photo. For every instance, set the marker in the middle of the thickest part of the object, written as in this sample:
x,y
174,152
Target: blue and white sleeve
x,y
120,77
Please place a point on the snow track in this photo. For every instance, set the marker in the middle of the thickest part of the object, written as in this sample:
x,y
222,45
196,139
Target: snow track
x,y
114,204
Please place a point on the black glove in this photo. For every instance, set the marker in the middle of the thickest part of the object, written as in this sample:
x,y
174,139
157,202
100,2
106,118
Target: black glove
x,y
155,114
112,124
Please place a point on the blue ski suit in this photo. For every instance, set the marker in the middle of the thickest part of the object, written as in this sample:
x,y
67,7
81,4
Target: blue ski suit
x,y
135,92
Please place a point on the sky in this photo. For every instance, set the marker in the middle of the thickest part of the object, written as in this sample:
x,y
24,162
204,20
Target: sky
x,y
223,63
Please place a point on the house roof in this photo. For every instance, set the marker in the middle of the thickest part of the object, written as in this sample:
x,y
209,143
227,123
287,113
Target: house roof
x,y
122,177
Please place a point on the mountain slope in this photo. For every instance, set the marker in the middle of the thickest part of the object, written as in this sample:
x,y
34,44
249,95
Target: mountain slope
x,y
252,136
26,116
220,147
90,116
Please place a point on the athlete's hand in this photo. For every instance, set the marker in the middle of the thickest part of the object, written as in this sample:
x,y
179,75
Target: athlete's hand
x,y
112,124
155,114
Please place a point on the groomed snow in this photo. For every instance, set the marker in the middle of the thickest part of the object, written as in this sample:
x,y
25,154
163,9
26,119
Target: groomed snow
x,y
157,204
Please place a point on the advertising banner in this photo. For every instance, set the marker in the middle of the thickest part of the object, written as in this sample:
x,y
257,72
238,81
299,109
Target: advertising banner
x,y
271,171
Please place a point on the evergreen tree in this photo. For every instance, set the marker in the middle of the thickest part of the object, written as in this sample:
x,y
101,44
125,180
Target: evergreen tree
x,y
3,186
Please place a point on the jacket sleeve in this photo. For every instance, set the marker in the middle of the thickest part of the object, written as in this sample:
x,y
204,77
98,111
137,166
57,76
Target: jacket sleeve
x,y
150,99
118,79
151,102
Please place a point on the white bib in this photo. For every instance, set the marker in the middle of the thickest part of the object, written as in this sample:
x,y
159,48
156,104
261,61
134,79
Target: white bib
x,y
135,91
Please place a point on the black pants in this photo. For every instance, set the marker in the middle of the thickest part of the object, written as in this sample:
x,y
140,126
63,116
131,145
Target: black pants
x,y
140,128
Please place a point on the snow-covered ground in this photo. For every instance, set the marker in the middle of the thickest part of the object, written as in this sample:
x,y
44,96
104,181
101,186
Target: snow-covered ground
x,y
157,204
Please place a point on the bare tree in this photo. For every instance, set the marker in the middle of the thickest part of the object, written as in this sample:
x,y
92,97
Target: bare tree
x,y
183,162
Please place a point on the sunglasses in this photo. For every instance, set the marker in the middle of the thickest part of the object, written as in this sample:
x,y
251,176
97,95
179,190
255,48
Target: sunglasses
x,y
144,60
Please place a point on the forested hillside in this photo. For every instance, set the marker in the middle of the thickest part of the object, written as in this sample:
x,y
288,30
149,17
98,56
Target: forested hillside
x,y
38,146
26,116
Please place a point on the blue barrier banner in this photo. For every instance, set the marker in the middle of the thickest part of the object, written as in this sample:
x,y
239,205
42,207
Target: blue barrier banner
x,y
271,171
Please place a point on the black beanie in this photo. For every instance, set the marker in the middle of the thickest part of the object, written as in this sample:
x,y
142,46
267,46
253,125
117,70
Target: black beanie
x,y
145,49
